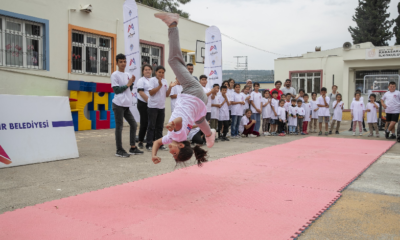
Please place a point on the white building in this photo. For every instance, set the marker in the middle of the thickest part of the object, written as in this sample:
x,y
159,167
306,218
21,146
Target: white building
x,y
344,66
43,44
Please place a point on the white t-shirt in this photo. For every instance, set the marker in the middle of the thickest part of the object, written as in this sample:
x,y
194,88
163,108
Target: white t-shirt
x,y
307,109
301,98
190,109
323,111
357,108
292,120
282,113
243,122
192,132
207,90
301,111
237,109
338,111
314,114
143,83
256,98
224,110
175,90
392,101
266,111
230,97
246,105
215,110
118,79
275,104
287,106
158,99
371,116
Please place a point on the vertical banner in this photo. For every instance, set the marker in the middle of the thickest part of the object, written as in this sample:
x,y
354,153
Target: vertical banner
x,y
213,56
132,48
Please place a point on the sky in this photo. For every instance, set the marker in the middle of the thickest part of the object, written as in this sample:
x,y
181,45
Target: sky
x,y
289,27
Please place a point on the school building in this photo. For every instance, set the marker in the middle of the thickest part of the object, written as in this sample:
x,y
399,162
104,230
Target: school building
x,y
344,66
44,44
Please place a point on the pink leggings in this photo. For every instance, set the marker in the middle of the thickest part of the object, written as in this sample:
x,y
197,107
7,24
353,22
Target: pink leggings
x,y
355,125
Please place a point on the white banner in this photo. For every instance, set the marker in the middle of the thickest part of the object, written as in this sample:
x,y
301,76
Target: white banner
x,y
382,52
213,56
132,48
35,129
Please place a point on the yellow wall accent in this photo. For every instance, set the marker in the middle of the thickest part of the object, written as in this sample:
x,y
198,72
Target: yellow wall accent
x,y
79,106
100,100
192,57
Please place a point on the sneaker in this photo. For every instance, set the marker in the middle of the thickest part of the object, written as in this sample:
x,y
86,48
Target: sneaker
x,y
211,139
140,145
265,134
302,133
354,133
243,136
135,151
365,130
351,129
281,134
252,136
149,149
361,133
320,133
387,134
326,133
163,148
330,132
337,132
122,153
377,135
370,135
168,18
225,139
222,139
392,136
268,134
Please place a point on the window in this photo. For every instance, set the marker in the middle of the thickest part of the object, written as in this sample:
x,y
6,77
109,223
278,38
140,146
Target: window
x,y
361,74
91,54
310,82
151,55
21,43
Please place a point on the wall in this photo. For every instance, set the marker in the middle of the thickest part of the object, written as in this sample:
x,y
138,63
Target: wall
x,y
106,17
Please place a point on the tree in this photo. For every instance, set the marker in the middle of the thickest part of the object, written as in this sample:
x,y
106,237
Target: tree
x,y
396,29
167,5
372,23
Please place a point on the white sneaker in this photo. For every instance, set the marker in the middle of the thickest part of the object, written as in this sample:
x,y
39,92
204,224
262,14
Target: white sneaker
x,y
243,136
252,136
268,134
361,134
168,18
211,139
354,133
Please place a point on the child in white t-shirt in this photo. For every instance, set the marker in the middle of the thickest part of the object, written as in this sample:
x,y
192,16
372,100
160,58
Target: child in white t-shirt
x,y
208,92
300,117
256,105
175,91
363,122
337,113
247,124
281,118
215,106
223,114
292,122
288,97
307,117
247,96
372,118
357,113
314,113
237,110
274,114
266,113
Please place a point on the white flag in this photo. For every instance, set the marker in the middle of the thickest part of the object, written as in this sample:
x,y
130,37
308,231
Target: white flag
x,y
213,56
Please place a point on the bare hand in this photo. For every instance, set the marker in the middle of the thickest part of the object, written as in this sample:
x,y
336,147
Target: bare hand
x,y
170,126
384,106
173,84
156,159
159,82
254,121
259,111
131,80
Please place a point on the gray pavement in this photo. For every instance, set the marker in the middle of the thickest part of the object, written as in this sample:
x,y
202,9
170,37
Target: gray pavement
x,y
368,209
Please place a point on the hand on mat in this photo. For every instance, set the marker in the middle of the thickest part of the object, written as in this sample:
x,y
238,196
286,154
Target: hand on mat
x,y
170,126
156,159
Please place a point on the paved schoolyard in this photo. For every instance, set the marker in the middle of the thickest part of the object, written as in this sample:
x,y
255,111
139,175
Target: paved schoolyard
x,y
368,209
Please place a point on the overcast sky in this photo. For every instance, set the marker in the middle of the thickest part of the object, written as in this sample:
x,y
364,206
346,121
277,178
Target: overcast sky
x,y
283,26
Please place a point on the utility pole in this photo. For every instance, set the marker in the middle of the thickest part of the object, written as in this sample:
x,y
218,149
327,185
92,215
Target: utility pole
x,y
242,65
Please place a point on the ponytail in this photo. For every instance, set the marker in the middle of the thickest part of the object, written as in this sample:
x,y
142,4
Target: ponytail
x,y
186,153
200,154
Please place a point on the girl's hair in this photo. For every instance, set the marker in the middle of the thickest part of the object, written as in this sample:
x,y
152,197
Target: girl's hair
x,y
313,93
247,110
355,94
226,81
236,84
339,95
146,65
187,152
373,95
256,84
230,80
282,100
245,86
160,67
302,90
265,91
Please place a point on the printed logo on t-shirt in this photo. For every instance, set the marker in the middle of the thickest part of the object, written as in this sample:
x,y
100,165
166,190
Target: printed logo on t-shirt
x,y
165,86
189,127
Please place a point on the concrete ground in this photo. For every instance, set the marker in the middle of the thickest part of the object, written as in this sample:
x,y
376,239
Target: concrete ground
x,y
368,209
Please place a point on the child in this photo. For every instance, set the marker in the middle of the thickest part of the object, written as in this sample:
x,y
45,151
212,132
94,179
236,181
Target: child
x,y
323,111
301,95
208,92
237,110
363,123
282,118
175,91
287,106
266,113
371,116
274,115
357,112
292,117
215,106
223,114
314,113
256,105
246,127
337,113
307,117
190,108
300,117
246,95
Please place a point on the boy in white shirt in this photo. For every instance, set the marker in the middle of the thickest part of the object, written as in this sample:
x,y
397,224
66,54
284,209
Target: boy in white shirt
x,y
175,91
215,106
203,82
314,113
300,117
337,107
288,97
323,111
281,118
307,117
122,84
391,103
292,115
274,115
363,122
256,105
301,95
223,114
372,118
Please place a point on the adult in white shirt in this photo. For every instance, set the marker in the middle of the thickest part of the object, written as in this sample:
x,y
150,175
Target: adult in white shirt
x,y
175,91
208,92
158,91
122,84
190,68
288,89
143,96
391,103
323,111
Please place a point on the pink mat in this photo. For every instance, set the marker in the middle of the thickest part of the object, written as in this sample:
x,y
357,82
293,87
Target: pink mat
x,y
270,193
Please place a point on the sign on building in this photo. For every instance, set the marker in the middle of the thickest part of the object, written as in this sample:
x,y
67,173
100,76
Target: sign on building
x,y
382,53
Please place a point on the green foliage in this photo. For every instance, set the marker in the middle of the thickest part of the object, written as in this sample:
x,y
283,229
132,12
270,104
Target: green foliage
x,y
373,24
167,5
396,29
